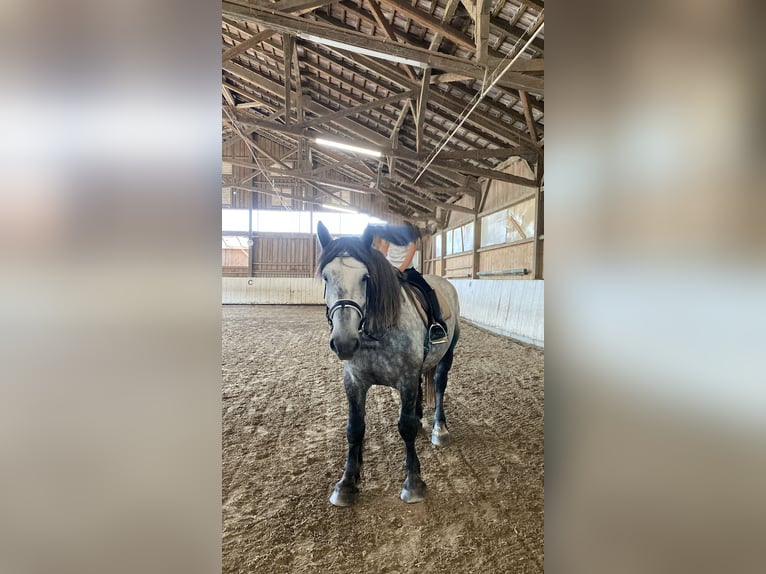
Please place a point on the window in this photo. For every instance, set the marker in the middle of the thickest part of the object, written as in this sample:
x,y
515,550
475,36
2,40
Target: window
x,y
284,221
510,224
458,240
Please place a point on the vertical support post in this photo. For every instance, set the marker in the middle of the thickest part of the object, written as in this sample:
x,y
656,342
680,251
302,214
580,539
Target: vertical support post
x,y
478,205
250,240
537,262
288,42
481,29
313,240
422,101
443,269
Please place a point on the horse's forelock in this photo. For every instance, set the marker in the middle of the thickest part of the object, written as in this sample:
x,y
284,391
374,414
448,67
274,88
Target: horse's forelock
x,y
383,285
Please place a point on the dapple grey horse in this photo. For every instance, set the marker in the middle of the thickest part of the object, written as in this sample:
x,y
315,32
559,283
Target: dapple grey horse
x,y
376,330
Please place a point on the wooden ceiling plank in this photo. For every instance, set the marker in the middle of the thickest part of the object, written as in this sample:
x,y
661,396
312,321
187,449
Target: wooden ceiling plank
x,y
500,26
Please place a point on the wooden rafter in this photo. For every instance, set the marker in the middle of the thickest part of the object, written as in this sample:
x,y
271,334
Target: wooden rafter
x,y
242,47
320,30
431,23
380,19
357,109
528,115
490,173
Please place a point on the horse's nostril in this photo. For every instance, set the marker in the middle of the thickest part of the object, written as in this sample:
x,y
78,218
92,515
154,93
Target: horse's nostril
x,y
332,346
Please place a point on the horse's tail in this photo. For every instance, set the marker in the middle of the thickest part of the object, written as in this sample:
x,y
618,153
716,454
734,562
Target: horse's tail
x,y
430,389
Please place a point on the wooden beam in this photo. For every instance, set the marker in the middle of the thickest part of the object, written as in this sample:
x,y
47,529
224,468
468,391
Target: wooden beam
x,y
512,80
391,72
521,65
449,12
490,173
476,154
353,127
432,203
449,190
357,109
421,112
288,43
298,87
528,115
354,40
481,29
377,14
431,23
247,44
300,6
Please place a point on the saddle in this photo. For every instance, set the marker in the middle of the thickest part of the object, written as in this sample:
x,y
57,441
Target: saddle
x,y
421,303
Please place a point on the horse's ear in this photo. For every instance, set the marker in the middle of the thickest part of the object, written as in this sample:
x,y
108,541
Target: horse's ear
x,y
324,236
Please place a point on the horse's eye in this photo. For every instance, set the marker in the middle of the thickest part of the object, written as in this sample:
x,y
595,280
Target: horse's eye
x,y
324,277
365,278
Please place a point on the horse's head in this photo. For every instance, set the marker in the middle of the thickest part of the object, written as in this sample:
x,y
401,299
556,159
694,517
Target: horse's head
x,y
362,291
345,281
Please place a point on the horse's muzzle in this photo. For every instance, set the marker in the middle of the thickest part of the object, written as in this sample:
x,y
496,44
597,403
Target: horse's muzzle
x,y
344,347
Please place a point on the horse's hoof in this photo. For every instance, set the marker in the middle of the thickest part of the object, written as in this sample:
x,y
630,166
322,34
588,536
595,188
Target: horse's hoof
x,y
413,491
343,497
440,435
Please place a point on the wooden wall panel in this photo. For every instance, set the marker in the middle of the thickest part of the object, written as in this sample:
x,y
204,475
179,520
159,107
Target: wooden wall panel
x,y
283,255
234,258
501,193
517,256
459,265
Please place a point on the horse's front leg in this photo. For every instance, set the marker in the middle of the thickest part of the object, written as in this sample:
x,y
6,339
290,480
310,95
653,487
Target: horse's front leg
x,y
413,487
346,490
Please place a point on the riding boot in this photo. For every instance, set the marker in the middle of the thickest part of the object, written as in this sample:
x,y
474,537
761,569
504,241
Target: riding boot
x,y
437,332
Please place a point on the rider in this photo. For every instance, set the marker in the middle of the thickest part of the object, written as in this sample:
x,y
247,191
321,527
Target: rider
x,y
400,256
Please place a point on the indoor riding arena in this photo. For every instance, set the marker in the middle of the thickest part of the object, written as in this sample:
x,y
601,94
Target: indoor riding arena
x,y
284,446
413,131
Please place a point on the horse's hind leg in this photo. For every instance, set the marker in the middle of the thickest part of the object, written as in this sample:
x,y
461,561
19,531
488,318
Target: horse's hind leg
x,y
440,434
345,492
413,488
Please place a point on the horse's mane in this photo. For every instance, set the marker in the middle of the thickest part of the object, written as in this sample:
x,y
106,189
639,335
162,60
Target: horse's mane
x,y
383,286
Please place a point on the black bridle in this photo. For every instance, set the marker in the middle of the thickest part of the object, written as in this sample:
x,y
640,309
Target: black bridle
x,y
342,303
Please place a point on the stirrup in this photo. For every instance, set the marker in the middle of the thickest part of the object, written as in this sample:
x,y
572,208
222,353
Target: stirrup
x,y
437,334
